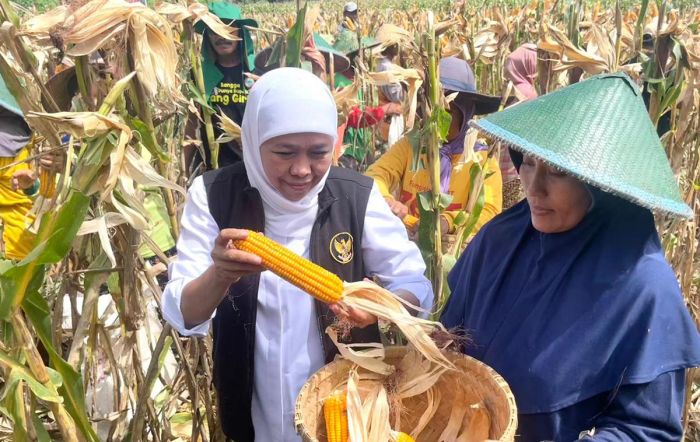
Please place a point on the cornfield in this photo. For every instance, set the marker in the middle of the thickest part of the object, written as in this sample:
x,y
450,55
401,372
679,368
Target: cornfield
x,y
85,354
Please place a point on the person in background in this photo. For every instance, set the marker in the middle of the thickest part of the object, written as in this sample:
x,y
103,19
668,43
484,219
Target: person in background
x,y
224,67
391,95
269,335
19,184
521,69
358,147
400,185
567,295
350,18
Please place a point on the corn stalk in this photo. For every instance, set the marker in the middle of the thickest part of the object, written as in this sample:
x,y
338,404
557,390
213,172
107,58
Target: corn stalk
x,y
433,203
20,283
207,111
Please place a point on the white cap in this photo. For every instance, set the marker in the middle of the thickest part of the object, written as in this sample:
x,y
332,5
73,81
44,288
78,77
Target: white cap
x,y
350,7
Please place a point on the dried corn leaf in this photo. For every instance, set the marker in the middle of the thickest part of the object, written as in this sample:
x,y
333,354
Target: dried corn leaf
x,y
80,124
111,219
381,303
419,384
555,41
389,34
411,78
230,129
101,23
416,374
379,428
101,226
144,174
356,424
132,209
346,97
371,360
40,25
468,155
433,402
197,12
599,43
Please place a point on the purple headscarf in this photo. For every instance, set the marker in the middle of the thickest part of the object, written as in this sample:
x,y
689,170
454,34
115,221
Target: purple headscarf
x,y
455,76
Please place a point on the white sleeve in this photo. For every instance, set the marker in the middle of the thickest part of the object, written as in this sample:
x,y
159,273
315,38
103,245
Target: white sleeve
x,y
198,231
389,255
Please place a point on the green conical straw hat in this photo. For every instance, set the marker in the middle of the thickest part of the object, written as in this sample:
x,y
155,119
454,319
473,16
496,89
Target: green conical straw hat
x,y
599,132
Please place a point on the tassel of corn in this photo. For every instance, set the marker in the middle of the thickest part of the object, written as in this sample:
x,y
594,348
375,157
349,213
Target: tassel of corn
x,y
312,278
403,437
336,416
410,221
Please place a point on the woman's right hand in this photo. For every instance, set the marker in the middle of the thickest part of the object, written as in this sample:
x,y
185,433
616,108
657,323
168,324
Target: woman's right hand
x,y
397,208
230,264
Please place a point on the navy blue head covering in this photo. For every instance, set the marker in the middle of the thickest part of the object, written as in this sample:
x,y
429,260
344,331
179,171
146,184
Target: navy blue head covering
x,y
564,317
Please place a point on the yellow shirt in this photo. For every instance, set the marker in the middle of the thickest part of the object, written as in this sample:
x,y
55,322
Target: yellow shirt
x,y
15,209
393,175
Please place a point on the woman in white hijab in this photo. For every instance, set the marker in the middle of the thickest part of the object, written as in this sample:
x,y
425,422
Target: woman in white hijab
x,y
268,335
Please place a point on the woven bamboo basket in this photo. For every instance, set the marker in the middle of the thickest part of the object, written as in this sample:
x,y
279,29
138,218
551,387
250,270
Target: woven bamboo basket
x,y
473,382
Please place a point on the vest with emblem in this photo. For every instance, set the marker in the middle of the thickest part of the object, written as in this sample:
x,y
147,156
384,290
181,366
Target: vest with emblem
x,y
336,238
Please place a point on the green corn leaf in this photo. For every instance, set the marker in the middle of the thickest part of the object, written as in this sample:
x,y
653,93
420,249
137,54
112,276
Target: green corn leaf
x,y
443,119
41,433
460,219
277,53
295,40
147,139
199,98
181,418
445,201
425,201
19,372
37,311
14,409
414,137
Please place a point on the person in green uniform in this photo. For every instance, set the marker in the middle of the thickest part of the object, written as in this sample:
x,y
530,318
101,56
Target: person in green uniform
x,y
224,65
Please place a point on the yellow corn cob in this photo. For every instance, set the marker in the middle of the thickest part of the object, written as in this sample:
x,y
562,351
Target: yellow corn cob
x,y
47,183
410,221
403,437
312,278
350,24
336,416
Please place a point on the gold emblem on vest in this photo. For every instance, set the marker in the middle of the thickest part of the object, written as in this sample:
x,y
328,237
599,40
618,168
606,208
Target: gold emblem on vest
x,y
341,247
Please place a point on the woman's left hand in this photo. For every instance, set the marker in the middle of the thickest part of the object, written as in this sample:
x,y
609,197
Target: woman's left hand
x,y
23,179
359,318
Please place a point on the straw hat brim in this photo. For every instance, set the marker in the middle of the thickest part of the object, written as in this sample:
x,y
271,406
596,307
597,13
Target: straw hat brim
x,y
583,172
484,104
373,45
200,27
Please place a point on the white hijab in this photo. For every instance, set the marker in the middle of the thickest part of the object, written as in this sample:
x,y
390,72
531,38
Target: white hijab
x,y
285,101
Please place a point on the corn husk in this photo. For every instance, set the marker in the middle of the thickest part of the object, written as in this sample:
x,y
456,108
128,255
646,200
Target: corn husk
x,y
109,24
434,397
556,42
371,298
357,427
230,130
195,12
